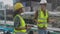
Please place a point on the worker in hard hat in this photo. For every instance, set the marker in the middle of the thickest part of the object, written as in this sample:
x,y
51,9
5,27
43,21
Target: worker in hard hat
x,y
41,17
19,23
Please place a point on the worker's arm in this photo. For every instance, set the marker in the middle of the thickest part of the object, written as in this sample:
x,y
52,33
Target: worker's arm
x,y
48,18
20,28
36,16
17,24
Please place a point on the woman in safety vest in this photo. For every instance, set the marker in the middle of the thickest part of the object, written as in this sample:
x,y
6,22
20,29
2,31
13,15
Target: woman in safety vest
x,y
41,17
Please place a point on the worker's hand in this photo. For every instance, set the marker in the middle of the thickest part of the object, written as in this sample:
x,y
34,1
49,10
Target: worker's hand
x,y
45,28
35,21
20,28
52,20
28,26
42,28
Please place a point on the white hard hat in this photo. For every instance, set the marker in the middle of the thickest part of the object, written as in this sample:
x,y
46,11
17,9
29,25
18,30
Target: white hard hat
x,y
43,2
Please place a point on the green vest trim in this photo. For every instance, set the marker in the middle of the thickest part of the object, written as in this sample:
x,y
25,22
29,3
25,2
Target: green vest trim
x,y
42,19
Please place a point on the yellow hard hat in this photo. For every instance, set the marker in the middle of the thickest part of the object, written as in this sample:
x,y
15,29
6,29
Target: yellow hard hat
x,y
18,6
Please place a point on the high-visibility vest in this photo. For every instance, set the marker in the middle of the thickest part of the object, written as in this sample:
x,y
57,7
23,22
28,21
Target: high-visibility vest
x,y
42,19
22,23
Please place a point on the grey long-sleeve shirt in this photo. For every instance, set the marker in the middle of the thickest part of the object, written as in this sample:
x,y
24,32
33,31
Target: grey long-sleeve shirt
x,y
17,22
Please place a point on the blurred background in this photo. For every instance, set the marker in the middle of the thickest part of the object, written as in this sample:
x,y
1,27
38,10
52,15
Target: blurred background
x,y
6,11
53,7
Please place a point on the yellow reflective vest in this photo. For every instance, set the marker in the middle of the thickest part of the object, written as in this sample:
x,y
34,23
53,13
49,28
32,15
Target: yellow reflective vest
x,y
22,23
42,19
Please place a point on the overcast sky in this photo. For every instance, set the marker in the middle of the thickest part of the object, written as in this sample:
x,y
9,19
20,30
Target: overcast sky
x,y
9,2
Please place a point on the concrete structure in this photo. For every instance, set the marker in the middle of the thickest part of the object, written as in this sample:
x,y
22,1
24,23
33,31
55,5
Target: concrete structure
x,y
1,5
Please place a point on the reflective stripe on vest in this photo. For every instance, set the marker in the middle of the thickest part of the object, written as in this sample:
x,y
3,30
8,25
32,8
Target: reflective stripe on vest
x,y
42,19
22,24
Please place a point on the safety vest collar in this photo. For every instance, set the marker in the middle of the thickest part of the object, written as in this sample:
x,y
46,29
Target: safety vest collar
x,y
42,17
41,14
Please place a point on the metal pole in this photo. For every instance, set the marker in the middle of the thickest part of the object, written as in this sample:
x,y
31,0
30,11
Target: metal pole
x,y
5,15
31,6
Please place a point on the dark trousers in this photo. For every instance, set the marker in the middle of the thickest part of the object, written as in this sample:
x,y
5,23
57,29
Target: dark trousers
x,y
31,32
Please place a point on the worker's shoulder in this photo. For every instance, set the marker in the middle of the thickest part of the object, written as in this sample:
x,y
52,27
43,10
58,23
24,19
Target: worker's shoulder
x,y
37,10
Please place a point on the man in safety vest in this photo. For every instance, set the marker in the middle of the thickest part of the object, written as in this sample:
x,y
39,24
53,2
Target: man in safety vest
x,y
19,23
41,17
